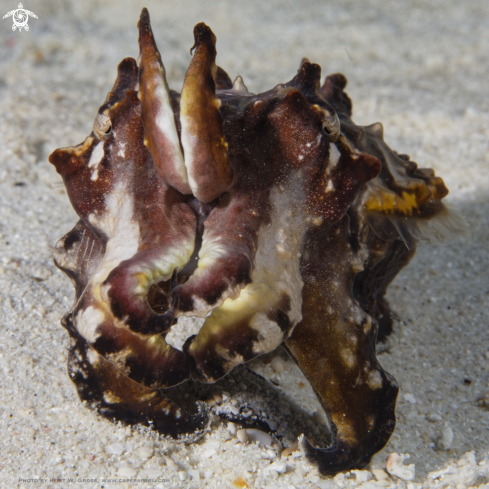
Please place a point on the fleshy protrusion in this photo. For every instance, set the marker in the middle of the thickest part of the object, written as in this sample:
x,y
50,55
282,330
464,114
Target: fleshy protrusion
x,y
239,86
203,141
160,130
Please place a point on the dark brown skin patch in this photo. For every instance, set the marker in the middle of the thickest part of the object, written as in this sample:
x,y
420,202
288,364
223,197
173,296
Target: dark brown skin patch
x,y
279,315
359,209
118,398
222,79
335,348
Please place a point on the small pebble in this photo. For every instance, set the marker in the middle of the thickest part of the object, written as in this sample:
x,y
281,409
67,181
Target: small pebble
x,y
209,453
259,436
293,448
232,428
279,467
362,475
40,309
444,442
115,449
380,475
145,452
278,365
483,400
240,482
394,466
242,436
182,475
171,464
127,472
410,398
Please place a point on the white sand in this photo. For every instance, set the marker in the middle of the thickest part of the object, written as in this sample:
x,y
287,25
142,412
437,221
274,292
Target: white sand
x,y
420,67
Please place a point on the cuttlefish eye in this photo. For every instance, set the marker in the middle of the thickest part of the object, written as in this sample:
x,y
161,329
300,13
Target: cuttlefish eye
x,y
102,126
331,128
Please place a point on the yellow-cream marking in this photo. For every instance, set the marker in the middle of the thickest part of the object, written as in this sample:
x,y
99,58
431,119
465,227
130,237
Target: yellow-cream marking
x,y
111,398
348,358
78,149
161,268
374,380
389,202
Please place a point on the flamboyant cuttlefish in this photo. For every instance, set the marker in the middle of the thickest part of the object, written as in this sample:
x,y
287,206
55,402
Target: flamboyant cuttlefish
x,y
273,216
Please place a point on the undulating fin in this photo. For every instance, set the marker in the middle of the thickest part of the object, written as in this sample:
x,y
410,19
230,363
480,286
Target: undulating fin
x,y
334,346
78,254
202,135
385,260
113,395
404,202
160,130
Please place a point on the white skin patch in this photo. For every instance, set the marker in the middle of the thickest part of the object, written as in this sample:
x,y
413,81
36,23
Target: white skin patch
x,y
87,321
122,231
276,273
122,150
95,159
334,155
165,121
123,243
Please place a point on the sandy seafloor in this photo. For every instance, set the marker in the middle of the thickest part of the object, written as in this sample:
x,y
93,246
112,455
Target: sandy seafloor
x,y
420,67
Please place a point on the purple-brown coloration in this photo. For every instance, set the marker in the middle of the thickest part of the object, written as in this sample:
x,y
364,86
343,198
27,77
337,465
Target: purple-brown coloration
x,y
272,216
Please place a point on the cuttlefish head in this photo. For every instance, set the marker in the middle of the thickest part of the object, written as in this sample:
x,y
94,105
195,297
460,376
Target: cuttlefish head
x,y
111,153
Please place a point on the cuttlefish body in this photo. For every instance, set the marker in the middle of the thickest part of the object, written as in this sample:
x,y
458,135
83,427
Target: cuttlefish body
x,y
272,216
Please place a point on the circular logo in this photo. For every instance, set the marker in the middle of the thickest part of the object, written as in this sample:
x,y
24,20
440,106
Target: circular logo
x,y
20,19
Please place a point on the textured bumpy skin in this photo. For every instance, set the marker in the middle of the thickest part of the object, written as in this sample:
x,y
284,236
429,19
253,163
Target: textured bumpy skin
x,y
273,216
